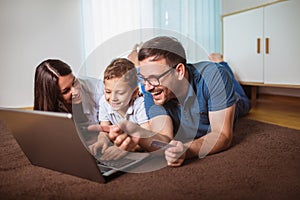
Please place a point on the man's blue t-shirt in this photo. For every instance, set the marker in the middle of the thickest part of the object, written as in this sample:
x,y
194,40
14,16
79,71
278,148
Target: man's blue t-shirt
x,y
211,89
243,104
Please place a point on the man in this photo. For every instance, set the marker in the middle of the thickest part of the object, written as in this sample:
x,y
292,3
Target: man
x,y
200,99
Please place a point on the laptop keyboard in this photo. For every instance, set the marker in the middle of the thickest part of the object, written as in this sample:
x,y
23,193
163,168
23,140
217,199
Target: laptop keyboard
x,y
116,163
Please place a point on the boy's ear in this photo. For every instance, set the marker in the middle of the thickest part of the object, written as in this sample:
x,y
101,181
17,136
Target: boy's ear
x,y
135,93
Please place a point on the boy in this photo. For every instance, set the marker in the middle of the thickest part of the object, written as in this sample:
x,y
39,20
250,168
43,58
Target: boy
x,y
121,101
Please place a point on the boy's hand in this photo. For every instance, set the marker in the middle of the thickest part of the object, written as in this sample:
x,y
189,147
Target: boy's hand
x,y
102,143
114,132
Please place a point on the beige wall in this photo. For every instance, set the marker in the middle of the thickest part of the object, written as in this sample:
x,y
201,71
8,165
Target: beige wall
x,y
32,31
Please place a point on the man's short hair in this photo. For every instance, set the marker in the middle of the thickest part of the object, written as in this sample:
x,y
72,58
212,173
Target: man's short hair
x,y
163,47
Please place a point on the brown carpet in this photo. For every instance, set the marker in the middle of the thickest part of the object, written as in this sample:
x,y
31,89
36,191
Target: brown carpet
x,y
263,163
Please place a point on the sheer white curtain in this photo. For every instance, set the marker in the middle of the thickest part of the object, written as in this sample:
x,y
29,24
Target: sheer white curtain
x,y
191,21
104,19
200,20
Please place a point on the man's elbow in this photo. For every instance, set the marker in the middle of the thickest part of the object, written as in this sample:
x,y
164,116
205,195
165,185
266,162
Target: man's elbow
x,y
227,140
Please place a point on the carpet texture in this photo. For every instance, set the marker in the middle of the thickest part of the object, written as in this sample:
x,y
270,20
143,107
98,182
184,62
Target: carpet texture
x,y
263,163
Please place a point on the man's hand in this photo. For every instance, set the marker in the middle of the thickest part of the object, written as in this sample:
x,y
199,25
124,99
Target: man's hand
x,y
122,139
175,156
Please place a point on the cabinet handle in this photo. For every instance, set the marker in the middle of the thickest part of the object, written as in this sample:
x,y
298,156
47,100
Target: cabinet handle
x,y
267,45
258,46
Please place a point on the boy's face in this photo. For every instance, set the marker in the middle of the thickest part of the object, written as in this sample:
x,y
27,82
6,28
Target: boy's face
x,y
118,94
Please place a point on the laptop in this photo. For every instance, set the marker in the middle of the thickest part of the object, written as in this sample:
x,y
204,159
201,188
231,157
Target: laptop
x,y
52,140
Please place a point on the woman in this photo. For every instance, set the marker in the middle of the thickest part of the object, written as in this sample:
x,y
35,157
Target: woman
x,y
57,89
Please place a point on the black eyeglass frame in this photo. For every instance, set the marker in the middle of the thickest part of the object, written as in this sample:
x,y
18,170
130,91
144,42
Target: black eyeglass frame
x,y
154,77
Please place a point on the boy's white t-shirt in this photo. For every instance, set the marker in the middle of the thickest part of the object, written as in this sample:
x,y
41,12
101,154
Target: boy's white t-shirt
x,y
135,113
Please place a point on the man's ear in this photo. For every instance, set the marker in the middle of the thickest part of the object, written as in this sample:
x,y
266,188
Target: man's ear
x,y
180,69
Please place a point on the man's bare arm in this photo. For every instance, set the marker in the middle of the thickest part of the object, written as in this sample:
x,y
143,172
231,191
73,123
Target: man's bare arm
x,y
218,139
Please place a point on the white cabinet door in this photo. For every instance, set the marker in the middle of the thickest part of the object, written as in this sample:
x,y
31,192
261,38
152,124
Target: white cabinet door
x,y
279,24
282,27
240,35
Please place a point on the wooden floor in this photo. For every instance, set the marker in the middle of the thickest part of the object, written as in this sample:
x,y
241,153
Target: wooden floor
x,y
279,110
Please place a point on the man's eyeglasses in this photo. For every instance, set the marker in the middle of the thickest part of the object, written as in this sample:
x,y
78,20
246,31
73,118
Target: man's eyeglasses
x,y
154,80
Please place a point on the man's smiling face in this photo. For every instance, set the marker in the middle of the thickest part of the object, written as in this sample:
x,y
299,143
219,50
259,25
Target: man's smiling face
x,y
150,68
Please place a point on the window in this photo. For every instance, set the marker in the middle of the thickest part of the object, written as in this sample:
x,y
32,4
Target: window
x,y
115,26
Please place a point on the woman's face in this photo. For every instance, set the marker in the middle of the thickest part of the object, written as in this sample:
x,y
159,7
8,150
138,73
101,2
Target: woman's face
x,y
70,89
